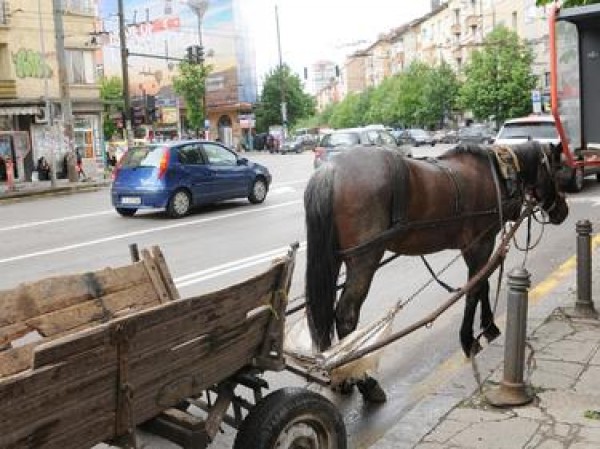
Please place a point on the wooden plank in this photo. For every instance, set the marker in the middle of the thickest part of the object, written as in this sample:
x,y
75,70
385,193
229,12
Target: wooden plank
x,y
165,273
15,360
155,276
47,295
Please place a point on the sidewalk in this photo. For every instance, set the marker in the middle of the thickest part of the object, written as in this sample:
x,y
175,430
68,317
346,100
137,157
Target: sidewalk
x,y
24,190
563,372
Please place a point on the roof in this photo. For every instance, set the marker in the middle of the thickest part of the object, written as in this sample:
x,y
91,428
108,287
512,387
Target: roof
x,y
580,14
532,118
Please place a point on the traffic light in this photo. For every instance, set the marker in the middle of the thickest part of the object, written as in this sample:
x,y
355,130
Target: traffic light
x,y
199,53
190,54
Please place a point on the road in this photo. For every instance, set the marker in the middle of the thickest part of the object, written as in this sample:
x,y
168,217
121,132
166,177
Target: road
x,y
220,245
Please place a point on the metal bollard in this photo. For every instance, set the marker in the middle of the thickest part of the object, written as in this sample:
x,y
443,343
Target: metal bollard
x,y
512,390
134,252
584,306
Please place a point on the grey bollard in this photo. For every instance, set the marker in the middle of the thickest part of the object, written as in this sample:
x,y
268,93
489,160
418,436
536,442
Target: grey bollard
x,y
512,390
584,306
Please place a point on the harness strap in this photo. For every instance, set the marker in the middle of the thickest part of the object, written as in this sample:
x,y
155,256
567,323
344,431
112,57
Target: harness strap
x,y
399,173
453,179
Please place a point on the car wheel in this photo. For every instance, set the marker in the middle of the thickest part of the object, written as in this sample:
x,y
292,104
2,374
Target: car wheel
x,y
258,192
577,178
179,204
126,212
598,177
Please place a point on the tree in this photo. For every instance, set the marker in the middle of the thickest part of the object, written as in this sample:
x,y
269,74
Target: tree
x,y
299,104
190,84
568,3
441,93
111,94
498,79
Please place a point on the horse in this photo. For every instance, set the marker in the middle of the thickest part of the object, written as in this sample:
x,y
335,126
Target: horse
x,y
366,201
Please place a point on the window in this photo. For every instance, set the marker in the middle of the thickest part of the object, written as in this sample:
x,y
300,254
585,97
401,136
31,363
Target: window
x,y
4,12
514,20
80,67
80,6
190,155
217,155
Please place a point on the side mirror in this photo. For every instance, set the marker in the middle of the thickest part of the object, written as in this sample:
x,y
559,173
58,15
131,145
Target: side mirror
x,y
242,161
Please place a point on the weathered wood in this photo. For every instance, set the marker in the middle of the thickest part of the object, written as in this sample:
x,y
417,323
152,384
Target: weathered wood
x,y
155,276
165,273
163,353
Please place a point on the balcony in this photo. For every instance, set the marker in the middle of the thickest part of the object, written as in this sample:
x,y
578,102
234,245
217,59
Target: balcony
x,y
455,29
473,21
8,89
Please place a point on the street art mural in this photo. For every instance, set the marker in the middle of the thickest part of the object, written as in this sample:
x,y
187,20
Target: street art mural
x,y
30,64
165,28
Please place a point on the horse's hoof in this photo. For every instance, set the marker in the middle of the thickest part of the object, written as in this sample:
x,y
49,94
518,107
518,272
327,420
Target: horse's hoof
x,y
371,391
491,332
345,388
475,349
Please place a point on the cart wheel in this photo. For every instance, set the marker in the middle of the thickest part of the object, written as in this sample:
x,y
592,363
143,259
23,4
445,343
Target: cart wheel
x,y
292,418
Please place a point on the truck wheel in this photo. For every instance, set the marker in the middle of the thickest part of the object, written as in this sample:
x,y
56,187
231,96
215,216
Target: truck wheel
x,y
292,418
179,204
258,192
577,177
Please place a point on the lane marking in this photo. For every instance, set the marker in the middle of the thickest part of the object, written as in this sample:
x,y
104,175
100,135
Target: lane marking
x,y
55,220
62,249
231,267
276,189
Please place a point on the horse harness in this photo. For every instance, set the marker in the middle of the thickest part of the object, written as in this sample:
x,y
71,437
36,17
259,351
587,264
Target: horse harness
x,y
509,168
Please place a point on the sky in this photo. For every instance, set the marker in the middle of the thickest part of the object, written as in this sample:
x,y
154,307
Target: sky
x,y
312,30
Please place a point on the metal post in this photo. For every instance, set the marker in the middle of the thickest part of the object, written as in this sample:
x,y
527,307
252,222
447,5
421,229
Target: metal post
x,y
63,79
584,306
512,390
281,80
125,75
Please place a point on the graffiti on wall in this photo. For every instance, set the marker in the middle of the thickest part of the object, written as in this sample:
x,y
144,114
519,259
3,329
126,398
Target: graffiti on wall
x,y
30,64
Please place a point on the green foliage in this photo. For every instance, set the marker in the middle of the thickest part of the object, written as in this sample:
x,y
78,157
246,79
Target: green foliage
x,y
190,84
498,78
567,3
111,94
299,104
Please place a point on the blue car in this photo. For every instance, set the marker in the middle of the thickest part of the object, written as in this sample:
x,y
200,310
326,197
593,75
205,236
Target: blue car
x,y
177,176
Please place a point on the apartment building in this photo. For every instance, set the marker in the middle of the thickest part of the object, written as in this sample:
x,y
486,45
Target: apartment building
x,y
29,80
451,32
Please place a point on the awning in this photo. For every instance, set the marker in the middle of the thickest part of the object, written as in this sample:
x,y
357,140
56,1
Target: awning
x,y
20,110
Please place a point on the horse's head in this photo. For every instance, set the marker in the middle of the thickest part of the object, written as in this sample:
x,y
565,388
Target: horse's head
x,y
545,187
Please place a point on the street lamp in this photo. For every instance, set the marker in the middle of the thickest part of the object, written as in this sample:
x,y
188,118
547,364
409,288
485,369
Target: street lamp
x,y
200,7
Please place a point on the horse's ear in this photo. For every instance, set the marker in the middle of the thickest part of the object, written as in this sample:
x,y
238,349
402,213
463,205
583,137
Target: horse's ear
x,y
556,149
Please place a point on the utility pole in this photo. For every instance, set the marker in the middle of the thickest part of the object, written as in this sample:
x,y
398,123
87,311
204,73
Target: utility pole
x,y
200,7
125,75
49,112
281,80
63,79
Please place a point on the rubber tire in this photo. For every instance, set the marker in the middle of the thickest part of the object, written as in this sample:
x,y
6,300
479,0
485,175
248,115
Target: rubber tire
x,y
577,180
598,177
172,211
126,212
258,192
285,409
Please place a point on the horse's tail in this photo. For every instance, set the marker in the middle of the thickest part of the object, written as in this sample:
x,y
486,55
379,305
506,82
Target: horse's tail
x,y
322,263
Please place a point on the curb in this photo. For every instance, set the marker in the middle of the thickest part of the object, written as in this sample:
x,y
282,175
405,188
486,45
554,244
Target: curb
x,y
33,192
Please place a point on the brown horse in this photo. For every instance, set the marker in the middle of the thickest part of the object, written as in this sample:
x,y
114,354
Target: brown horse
x,y
368,201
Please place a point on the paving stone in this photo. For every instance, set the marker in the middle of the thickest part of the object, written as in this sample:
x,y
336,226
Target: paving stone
x,y
446,430
589,381
569,351
475,416
550,374
591,434
503,434
570,407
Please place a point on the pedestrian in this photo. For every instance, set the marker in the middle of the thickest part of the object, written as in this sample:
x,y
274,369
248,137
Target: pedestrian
x,y
43,169
79,161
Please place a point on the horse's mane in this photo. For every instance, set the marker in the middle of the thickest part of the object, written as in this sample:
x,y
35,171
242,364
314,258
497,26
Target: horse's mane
x,y
481,151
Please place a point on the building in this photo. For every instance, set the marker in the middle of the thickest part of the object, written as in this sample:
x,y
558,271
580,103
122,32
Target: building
x,y
322,73
158,34
29,81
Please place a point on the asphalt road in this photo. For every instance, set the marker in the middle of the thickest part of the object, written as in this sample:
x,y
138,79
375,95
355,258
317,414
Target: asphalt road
x,y
220,245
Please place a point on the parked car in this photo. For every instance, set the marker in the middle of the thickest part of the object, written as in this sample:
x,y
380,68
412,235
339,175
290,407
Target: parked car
x,y
415,137
345,139
479,134
179,175
543,129
298,144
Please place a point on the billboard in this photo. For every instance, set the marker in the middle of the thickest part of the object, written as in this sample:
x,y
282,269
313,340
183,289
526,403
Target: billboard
x,y
165,28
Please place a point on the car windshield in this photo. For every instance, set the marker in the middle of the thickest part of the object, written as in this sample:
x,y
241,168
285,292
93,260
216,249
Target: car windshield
x,y
535,130
149,156
340,139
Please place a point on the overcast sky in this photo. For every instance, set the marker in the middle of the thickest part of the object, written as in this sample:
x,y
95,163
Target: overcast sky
x,y
323,29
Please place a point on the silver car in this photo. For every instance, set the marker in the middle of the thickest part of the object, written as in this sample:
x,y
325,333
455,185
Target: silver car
x,y
344,139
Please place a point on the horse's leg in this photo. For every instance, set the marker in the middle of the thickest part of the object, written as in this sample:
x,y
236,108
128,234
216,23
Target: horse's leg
x,y
476,257
359,274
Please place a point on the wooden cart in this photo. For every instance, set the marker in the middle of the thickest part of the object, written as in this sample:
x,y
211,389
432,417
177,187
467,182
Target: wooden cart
x,y
88,358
